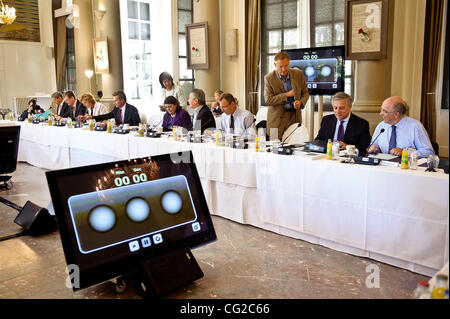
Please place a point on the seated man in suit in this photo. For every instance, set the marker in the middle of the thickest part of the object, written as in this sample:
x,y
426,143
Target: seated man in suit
x,y
234,119
344,126
62,109
123,113
400,131
76,108
203,118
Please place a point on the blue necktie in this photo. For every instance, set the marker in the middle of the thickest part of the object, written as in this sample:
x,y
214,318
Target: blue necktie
x,y
393,140
340,136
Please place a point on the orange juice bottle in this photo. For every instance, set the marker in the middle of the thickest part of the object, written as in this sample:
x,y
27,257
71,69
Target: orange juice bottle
x,y
329,149
404,164
440,286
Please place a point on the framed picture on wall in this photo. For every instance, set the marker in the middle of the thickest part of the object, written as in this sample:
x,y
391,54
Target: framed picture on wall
x,y
366,25
101,59
26,26
197,46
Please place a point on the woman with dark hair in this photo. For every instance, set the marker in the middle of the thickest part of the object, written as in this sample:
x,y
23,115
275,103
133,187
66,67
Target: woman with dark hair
x,y
33,108
169,88
175,115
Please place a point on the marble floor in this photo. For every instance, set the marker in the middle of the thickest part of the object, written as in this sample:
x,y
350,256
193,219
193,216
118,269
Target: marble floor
x,y
245,262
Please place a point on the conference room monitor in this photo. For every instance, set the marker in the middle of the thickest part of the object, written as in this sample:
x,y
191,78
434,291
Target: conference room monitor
x,y
324,68
115,216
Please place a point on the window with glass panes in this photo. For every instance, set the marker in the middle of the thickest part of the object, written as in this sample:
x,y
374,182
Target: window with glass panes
x,y
280,31
185,16
137,51
327,29
71,68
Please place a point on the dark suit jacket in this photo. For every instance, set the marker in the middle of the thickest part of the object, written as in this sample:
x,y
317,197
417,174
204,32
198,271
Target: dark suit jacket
x,y
205,119
80,109
131,116
36,110
357,132
65,110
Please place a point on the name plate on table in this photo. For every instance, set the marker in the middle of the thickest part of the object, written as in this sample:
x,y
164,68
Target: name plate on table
x,y
318,146
100,128
121,131
153,134
366,160
240,144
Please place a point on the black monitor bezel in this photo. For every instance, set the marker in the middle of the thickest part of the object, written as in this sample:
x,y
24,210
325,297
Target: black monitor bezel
x,y
331,91
133,262
10,132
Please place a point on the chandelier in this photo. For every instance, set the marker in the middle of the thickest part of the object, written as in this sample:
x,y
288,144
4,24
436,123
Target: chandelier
x,y
7,14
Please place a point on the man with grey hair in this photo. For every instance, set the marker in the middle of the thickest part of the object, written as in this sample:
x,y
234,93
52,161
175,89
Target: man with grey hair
x,y
203,118
398,131
344,126
286,95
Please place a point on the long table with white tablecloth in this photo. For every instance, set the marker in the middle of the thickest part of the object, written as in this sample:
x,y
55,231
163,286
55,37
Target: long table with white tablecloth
x,y
396,216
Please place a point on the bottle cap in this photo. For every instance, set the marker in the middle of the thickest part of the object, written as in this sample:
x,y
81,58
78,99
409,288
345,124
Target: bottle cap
x,y
442,276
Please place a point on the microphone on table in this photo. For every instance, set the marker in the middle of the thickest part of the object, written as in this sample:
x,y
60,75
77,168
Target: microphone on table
x,y
285,139
157,124
381,131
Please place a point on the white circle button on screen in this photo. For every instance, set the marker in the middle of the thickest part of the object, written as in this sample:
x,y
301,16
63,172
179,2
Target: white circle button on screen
x,y
171,202
196,226
102,219
138,210
157,239
146,242
134,245
326,70
309,71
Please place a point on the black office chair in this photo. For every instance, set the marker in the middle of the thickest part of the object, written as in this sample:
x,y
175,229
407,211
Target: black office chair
x,y
263,124
9,146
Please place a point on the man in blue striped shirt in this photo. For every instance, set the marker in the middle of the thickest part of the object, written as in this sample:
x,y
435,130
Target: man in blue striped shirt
x,y
400,131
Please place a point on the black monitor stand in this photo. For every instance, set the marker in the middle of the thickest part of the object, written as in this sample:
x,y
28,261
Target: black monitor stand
x,y
161,275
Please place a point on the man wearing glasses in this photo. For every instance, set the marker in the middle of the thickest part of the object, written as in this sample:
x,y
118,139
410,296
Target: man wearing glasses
x,y
286,95
398,131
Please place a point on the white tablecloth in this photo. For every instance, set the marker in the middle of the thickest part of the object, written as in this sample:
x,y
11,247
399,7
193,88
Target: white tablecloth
x,y
396,216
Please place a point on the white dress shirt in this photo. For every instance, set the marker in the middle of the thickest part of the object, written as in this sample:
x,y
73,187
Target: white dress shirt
x,y
244,122
59,108
98,109
409,132
177,92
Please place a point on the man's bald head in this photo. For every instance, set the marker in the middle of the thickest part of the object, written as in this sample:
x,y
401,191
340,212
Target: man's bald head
x,y
393,109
